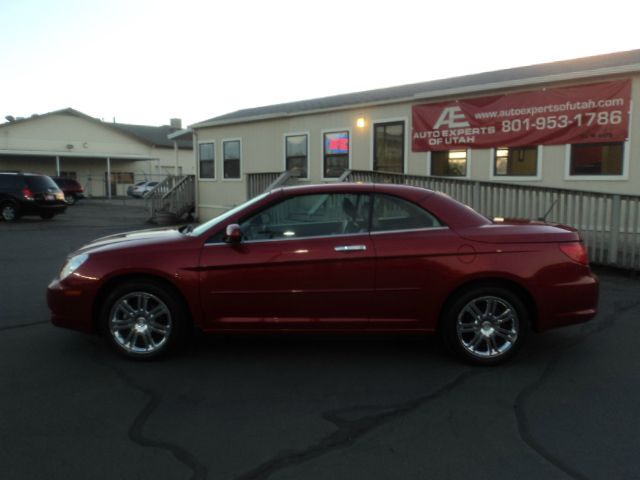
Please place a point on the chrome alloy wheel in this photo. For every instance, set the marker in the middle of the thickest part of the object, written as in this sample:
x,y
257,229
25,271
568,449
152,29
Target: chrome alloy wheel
x,y
140,323
488,327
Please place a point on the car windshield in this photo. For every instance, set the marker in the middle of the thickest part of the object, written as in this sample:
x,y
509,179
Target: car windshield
x,y
200,229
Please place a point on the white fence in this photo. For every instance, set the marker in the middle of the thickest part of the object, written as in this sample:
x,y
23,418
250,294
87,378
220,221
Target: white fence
x,y
608,223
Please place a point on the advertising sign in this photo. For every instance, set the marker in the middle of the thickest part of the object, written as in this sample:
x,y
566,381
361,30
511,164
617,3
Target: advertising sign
x,y
591,113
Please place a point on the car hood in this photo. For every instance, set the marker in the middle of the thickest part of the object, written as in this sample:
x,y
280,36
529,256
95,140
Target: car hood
x,y
520,231
136,238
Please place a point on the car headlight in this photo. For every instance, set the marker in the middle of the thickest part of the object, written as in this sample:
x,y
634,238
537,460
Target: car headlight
x,y
72,265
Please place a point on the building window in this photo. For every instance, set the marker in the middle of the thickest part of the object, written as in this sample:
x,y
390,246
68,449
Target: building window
x,y
449,163
231,158
388,148
597,159
207,158
296,154
516,161
336,154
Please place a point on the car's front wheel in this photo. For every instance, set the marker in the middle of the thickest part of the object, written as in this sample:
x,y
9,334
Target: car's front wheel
x,y
486,325
70,198
144,319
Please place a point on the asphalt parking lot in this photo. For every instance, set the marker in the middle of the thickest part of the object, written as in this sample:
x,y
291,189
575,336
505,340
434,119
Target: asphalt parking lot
x,y
302,408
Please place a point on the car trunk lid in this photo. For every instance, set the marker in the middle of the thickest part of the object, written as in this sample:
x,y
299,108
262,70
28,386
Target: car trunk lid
x,y
520,231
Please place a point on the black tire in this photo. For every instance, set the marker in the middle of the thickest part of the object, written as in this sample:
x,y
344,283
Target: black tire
x,y
47,215
485,325
9,211
70,199
153,322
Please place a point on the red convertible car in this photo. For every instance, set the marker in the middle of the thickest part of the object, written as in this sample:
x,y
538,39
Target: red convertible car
x,y
332,258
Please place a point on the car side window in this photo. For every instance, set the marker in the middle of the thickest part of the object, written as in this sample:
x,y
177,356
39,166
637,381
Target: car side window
x,y
10,182
325,214
395,213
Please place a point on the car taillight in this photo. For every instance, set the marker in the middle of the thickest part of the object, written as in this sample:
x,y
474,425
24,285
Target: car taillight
x,y
576,251
81,188
27,193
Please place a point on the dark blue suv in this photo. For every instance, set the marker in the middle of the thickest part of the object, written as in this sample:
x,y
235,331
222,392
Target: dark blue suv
x,y
29,194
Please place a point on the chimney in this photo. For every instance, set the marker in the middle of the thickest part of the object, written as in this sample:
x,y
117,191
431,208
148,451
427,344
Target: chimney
x,y
175,123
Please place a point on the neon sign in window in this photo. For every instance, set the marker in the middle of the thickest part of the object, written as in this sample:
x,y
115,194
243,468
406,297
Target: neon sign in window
x,y
336,143
336,154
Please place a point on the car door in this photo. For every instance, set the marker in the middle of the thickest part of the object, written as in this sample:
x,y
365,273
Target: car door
x,y
306,262
412,247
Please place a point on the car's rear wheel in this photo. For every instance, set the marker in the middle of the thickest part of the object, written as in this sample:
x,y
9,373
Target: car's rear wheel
x,y
70,198
486,325
9,211
144,319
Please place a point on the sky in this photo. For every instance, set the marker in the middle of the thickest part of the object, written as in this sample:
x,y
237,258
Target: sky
x,y
146,61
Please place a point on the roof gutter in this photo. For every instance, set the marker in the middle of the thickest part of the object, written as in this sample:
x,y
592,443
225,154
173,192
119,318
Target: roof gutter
x,y
531,81
53,153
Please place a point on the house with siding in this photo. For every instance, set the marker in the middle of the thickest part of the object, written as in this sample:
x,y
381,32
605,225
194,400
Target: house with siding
x,y
569,125
96,153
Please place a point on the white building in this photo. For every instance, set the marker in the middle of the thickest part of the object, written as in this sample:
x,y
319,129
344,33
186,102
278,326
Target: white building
x,y
72,144
569,124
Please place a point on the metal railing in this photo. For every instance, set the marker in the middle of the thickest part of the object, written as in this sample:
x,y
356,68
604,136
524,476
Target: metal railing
x,y
258,183
171,199
608,223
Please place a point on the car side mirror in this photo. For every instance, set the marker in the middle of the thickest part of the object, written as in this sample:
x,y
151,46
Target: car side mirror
x,y
233,234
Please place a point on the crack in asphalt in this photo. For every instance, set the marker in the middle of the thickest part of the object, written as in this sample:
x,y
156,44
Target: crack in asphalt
x,y
349,431
524,426
136,429
23,325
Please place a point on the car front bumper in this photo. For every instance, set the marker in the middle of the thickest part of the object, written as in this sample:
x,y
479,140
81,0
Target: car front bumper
x,y
71,306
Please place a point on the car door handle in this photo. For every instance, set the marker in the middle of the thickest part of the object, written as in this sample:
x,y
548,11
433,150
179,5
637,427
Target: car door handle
x,y
350,248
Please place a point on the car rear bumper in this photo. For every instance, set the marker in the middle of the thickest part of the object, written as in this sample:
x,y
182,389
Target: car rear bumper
x,y
43,208
568,303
